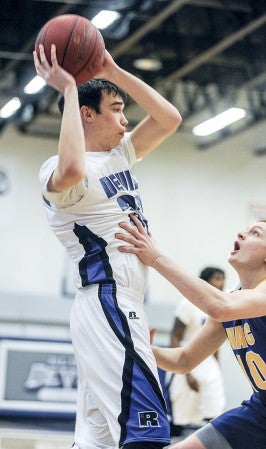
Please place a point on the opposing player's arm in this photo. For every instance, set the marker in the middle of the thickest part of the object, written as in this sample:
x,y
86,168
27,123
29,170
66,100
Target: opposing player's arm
x,y
162,118
222,306
71,146
182,360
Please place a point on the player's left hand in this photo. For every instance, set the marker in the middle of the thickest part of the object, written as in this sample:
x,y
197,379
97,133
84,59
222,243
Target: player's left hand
x,y
142,243
108,68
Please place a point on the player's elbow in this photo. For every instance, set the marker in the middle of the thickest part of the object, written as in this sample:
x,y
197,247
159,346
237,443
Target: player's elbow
x,y
72,174
173,123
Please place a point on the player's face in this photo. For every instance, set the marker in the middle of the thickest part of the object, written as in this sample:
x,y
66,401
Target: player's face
x,y
250,247
217,280
111,122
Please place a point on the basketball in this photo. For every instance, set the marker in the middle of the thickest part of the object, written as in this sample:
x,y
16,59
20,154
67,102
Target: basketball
x,y
80,47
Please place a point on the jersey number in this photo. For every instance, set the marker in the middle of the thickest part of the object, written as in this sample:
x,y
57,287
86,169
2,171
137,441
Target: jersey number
x,y
257,368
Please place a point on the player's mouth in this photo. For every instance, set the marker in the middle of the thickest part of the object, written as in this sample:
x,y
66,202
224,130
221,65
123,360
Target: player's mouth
x,y
236,247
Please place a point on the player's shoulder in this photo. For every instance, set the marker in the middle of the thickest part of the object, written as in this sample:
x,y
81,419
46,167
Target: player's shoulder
x,y
47,168
50,161
127,148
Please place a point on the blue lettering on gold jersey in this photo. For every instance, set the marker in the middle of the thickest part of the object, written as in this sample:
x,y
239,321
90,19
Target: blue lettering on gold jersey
x,y
121,181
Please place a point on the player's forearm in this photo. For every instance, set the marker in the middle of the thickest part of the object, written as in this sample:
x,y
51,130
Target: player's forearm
x,y
170,359
206,297
71,146
149,100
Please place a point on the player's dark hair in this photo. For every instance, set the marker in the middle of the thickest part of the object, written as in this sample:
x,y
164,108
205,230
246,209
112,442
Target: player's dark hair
x,y
207,273
92,92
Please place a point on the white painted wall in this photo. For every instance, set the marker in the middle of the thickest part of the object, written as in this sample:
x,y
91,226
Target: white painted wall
x,y
196,201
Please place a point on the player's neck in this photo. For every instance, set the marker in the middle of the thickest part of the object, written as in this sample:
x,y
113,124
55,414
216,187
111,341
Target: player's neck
x,y
252,279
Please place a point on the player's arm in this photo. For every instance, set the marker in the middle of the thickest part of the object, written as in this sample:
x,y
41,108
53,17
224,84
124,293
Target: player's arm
x,y
222,306
71,146
162,118
182,360
177,335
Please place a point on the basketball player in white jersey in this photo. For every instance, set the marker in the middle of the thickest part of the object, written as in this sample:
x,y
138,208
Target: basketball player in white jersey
x,y
88,188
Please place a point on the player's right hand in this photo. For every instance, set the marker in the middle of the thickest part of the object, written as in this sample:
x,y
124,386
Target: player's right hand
x,y
54,75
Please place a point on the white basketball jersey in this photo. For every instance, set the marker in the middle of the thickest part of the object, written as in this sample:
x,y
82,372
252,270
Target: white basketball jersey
x,y
86,217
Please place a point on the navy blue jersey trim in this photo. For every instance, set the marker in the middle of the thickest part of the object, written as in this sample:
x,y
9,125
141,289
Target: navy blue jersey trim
x,y
46,201
94,267
131,357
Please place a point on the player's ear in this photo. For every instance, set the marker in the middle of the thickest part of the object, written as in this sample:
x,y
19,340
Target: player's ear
x,y
87,113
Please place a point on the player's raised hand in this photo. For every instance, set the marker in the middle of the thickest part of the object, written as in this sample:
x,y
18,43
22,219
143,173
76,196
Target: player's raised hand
x,y
109,68
54,75
142,243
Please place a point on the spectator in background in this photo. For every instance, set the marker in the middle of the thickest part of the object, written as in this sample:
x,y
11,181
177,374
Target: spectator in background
x,y
199,395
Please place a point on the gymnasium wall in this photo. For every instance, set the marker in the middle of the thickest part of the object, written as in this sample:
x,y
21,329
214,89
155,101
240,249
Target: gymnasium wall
x,y
196,201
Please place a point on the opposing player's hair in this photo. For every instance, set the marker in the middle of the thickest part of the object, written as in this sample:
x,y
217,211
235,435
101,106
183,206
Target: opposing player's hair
x,y
92,92
207,273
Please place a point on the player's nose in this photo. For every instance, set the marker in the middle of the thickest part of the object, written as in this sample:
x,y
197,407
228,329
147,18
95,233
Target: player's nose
x,y
124,121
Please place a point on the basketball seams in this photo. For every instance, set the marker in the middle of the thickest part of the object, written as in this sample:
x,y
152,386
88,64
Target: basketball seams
x,y
96,38
41,39
88,59
80,47
68,40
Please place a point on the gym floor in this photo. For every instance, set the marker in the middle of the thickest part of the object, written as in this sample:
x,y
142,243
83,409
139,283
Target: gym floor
x,y
26,434
31,434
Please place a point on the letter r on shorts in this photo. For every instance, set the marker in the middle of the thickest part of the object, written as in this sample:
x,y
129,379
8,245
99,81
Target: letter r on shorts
x,y
148,418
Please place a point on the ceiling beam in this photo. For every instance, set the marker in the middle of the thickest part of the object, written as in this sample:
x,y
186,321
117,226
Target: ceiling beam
x,y
149,26
225,43
232,5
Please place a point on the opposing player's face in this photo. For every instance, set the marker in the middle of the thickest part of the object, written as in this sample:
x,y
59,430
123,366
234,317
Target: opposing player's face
x,y
250,247
111,122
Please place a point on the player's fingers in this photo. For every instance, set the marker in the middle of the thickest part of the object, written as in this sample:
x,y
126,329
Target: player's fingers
x,y
43,58
36,60
138,223
152,333
127,238
128,228
53,56
128,249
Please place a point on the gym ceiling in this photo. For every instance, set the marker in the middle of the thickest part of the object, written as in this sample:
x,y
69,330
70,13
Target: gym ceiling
x,y
203,55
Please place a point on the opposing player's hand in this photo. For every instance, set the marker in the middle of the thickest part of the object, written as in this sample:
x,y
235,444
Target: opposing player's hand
x,y
152,334
142,243
54,75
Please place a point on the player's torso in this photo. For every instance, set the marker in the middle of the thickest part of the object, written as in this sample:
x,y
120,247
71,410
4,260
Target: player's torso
x,y
87,228
247,338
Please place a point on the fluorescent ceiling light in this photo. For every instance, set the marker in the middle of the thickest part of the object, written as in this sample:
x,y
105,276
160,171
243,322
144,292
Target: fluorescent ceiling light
x,y
10,108
148,64
104,18
219,121
35,85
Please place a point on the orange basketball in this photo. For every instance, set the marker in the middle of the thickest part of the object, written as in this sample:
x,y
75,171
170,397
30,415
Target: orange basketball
x,y
80,47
